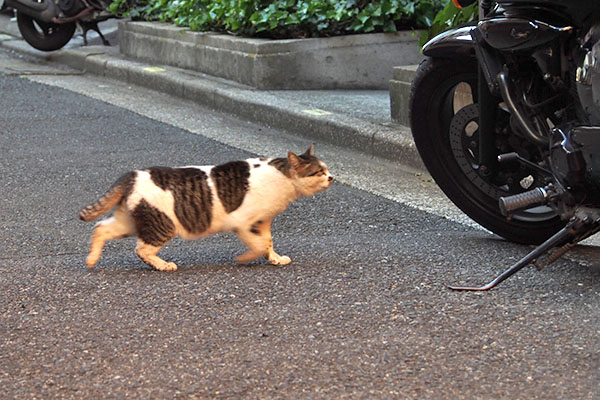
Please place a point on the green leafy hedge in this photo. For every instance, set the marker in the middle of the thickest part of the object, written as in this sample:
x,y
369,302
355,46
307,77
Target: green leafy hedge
x,y
286,18
448,17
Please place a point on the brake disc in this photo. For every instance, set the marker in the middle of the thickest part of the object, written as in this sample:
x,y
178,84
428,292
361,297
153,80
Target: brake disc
x,y
464,142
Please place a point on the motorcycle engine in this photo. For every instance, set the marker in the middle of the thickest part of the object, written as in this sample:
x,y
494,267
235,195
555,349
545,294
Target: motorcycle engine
x,y
588,76
575,160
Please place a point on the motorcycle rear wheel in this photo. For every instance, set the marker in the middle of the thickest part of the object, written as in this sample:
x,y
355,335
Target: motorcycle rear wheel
x,y
444,117
44,36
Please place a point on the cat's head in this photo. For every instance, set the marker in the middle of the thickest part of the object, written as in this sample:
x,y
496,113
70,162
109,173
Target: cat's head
x,y
309,173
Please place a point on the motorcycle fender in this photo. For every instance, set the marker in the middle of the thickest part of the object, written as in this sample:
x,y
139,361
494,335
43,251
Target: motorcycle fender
x,y
451,43
44,10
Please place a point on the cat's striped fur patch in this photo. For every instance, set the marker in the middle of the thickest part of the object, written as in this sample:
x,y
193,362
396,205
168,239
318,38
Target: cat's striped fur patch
x,y
192,195
231,180
153,226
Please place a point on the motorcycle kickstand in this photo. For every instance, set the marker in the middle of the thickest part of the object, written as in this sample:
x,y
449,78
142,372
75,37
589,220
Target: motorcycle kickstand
x,y
563,238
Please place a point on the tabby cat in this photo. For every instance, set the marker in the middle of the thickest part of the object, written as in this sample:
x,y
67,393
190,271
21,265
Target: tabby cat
x,y
159,203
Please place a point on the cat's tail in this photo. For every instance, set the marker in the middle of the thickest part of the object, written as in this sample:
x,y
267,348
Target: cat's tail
x,y
111,198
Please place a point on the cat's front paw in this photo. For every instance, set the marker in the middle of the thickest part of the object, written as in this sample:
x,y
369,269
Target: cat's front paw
x,y
280,260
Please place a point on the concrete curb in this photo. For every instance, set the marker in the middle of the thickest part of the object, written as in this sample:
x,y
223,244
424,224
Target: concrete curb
x,y
392,142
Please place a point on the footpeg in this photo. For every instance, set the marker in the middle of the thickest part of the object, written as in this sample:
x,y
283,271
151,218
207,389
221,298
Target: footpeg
x,y
533,198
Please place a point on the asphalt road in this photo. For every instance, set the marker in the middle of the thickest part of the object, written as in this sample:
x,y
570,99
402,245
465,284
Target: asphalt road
x,y
362,311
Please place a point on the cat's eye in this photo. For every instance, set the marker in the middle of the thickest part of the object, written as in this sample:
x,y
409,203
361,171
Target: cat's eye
x,y
318,173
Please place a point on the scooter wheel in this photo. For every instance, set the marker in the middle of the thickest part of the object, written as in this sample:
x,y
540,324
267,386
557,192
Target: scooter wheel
x,y
44,36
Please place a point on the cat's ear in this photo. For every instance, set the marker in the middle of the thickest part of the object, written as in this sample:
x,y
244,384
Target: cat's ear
x,y
310,151
294,160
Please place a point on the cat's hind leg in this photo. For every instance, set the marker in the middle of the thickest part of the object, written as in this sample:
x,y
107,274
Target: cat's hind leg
x,y
147,253
259,241
154,230
118,226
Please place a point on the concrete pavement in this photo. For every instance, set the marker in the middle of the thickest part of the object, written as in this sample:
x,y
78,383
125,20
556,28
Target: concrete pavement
x,y
358,119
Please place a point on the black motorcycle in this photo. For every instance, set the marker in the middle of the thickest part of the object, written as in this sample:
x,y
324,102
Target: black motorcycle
x,y
48,25
505,113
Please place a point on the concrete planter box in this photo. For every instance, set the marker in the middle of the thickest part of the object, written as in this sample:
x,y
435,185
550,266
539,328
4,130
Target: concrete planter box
x,y
400,93
346,62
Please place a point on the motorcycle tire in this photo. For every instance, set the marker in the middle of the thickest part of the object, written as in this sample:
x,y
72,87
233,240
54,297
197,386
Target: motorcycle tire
x,y
44,36
444,149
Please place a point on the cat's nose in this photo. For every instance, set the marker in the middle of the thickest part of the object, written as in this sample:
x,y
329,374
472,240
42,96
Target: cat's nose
x,y
330,179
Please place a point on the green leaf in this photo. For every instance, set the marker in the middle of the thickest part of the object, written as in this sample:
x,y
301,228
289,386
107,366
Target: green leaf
x,y
390,26
292,19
